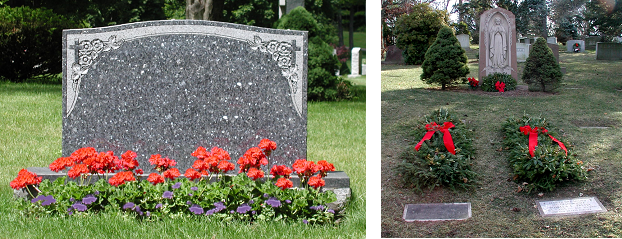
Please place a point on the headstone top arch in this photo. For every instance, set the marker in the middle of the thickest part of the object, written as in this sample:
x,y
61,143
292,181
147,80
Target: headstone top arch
x,y
497,43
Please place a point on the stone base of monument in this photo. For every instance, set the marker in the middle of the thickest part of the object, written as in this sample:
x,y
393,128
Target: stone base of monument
x,y
337,181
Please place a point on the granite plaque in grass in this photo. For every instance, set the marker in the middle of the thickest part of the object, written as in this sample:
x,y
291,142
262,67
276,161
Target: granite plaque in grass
x,y
167,87
568,207
437,212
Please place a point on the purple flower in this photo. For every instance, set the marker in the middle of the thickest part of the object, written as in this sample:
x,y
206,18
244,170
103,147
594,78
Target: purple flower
x,y
190,194
331,211
167,195
79,206
177,185
89,199
210,212
231,211
159,205
48,200
317,208
96,192
148,213
137,209
266,195
219,206
128,205
196,209
188,202
194,188
72,200
251,201
254,212
288,201
244,208
273,202
305,221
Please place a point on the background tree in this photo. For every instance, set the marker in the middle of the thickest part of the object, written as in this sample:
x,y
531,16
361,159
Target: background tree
x,y
531,18
470,12
445,61
416,31
604,18
391,10
542,71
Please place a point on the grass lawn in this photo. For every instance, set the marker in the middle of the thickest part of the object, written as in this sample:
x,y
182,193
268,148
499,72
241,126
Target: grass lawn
x,y
591,95
30,135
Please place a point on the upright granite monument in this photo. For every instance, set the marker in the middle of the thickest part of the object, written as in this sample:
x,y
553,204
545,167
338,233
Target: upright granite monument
x,y
497,44
167,87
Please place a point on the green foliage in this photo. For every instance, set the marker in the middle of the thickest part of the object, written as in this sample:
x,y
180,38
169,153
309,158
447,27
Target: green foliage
x,y
433,165
461,28
417,31
604,17
261,13
531,18
322,64
231,191
26,37
542,71
550,164
445,61
489,81
175,9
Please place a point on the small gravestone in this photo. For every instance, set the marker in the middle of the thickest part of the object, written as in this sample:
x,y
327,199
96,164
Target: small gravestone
x,y
356,62
167,87
590,42
522,51
555,49
437,212
570,45
608,51
394,55
568,207
551,40
497,43
465,41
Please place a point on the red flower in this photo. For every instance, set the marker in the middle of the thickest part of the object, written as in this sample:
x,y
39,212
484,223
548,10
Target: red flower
x,y
199,165
121,177
255,173
61,163
201,153
139,171
161,164
284,183
225,166
103,162
500,86
172,173
253,158
128,161
155,178
220,154
316,181
280,170
25,178
304,168
83,153
267,146
192,174
323,166
78,170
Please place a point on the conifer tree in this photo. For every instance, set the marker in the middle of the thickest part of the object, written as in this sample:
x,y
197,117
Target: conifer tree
x,y
445,61
542,71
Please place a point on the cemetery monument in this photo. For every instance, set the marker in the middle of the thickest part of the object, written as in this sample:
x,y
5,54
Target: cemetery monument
x,y
497,47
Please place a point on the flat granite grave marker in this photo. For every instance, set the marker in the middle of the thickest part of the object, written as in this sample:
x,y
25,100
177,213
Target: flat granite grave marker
x,y
437,212
167,87
567,207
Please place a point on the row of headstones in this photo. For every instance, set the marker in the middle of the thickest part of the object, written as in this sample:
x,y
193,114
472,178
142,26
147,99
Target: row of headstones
x,y
358,67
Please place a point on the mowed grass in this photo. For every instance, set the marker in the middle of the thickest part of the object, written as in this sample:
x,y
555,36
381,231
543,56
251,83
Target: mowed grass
x,y
31,133
591,96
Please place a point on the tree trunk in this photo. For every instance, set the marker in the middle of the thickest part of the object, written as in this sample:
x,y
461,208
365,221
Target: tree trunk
x,y
351,33
204,9
339,28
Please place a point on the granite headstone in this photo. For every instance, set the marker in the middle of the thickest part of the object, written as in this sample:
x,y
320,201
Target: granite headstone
x,y
394,55
567,207
465,41
570,45
555,49
356,62
551,40
608,51
522,51
590,42
167,87
497,44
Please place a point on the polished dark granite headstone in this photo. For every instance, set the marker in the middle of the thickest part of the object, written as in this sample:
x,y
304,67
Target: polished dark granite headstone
x,y
167,87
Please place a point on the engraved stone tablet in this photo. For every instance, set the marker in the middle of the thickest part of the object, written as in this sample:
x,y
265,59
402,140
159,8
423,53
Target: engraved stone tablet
x,y
565,207
497,44
437,212
167,87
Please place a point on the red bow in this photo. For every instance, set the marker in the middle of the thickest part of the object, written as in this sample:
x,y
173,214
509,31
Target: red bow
x,y
533,138
433,127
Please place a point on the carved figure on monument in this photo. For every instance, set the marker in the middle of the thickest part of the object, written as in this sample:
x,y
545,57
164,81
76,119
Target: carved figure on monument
x,y
498,45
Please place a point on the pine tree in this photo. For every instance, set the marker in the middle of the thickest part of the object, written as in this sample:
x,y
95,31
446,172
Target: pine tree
x,y
445,61
542,71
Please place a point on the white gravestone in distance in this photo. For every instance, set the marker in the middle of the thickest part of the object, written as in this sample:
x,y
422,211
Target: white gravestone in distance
x,y
566,207
356,62
522,52
464,40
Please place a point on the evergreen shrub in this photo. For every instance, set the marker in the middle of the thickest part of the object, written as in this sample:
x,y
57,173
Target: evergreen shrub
x,y
417,31
542,72
550,165
433,165
445,61
489,82
31,42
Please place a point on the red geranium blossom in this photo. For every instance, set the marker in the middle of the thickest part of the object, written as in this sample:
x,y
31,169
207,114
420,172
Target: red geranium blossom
x,y
323,166
172,173
161,164
215,161
225,166
304,168
83,153
316,181
128,161
192,174
284,183
253,158
267,146
255,173
101,163
121,177
280,170
61,163
25,178
201,153
500,86
155,178
78,170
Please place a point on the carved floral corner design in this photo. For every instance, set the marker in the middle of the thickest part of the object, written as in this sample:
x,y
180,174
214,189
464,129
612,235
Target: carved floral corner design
x,y
88,51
